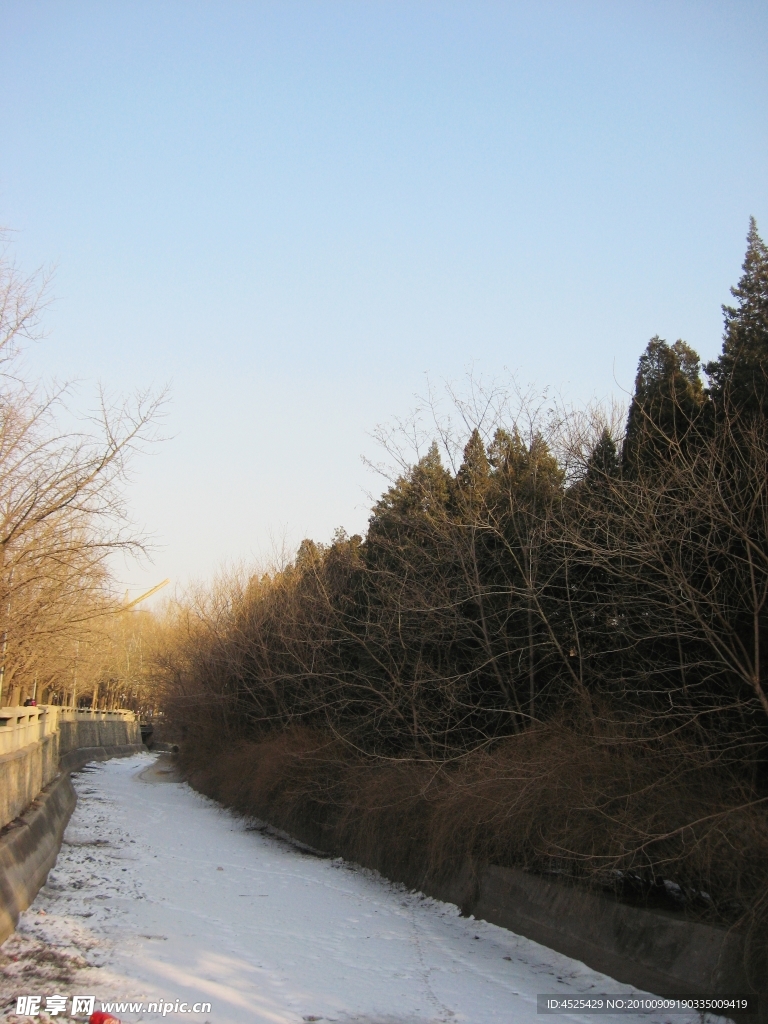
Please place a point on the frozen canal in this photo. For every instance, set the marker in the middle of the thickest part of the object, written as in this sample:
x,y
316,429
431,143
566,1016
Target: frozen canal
x,y
158,894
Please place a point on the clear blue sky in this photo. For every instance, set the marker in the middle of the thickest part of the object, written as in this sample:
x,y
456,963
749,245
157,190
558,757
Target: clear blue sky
x,y
293,211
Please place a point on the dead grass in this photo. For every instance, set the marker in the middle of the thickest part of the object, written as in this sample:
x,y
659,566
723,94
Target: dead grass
x,y
552,799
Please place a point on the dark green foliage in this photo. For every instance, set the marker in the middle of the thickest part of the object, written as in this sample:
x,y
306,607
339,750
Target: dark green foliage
x,y
604,463
667,403
474,473
484,602
424,490
739,377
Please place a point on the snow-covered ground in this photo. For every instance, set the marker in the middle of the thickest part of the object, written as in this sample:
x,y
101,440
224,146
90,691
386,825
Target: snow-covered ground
x,y
159,894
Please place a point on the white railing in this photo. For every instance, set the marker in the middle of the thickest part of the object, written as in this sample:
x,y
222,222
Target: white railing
x,y
21,726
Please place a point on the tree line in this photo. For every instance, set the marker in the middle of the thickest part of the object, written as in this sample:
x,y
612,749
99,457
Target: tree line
x,y
548,649
615,575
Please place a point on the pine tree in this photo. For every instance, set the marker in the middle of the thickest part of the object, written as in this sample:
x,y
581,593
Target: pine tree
x,y
507,453
739,377
668,399
529,474
604,462
474,471
429,480
422,492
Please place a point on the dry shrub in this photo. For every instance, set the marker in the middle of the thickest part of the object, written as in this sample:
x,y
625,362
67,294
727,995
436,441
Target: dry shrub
x,y
293,780
554,799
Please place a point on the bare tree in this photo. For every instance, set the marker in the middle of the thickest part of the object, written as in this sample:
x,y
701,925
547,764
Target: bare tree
x,y
62,503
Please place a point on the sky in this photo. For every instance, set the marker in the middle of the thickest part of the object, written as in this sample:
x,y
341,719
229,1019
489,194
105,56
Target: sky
x,y
300,215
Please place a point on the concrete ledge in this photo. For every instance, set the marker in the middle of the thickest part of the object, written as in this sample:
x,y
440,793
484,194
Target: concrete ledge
x,y
654,950
29,846
36,742
76,758
661,952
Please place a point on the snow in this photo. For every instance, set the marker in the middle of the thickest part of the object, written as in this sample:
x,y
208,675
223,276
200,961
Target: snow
x,y
160,894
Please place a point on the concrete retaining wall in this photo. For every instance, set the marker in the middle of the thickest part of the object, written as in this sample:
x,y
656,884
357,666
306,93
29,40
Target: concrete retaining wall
x,y
76,758
36,794
36,742
74,735
658,951
29,847
24,773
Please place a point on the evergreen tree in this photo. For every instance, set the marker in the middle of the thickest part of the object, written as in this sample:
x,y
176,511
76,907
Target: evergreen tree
x,y
429,480
507,452
668,399
412,501
527,475
309,555
604,461
474,472
739,377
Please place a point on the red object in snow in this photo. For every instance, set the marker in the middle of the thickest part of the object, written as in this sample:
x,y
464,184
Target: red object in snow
x,y
100,1017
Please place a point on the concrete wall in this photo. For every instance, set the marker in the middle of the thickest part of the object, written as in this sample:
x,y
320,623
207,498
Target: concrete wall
x,y
658,951
24,773
98,732
38,749
29,847
76,758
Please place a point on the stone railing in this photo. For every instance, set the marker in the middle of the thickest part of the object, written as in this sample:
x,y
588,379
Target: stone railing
x,y
34,740
21,726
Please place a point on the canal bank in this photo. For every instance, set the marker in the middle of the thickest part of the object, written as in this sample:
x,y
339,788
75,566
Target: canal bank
x,y
39,746
161,894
